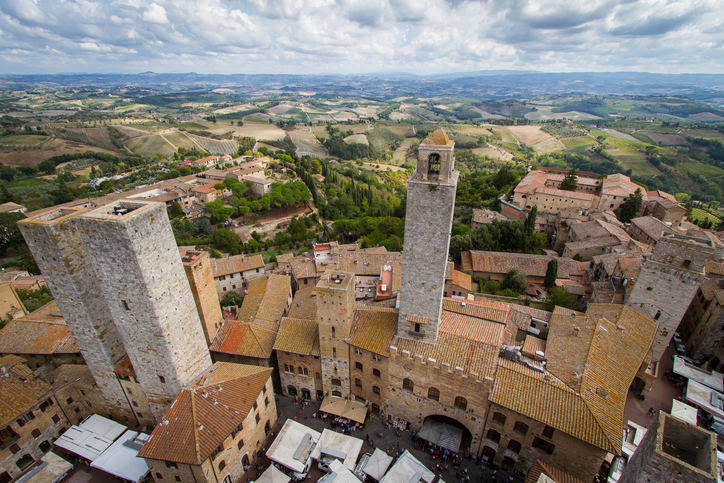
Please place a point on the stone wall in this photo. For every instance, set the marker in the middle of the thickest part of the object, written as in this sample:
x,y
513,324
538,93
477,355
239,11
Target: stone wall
x,y
55,243
577,458
138,401
367,378
430,208
201,280
297,378
141,277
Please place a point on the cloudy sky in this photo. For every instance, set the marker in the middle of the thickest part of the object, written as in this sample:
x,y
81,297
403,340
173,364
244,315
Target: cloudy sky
x,y
360,36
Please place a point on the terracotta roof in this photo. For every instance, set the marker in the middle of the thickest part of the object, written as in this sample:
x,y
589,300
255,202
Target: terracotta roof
x,y
303,266
555,474
373,329
533,344
10,304
16,365
486,216
534,179
70,374
42,332
304,305
714,268
235,264
19,394
207,188
621,185
592,360
663,197
462,279
531,265
244,339
652,227
597,229
205,413
298,336
470,342
125,367
521,316
566,194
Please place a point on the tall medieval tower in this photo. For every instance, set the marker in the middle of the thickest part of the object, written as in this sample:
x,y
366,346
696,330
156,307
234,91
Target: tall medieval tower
x,y
430,207
134,286
335,310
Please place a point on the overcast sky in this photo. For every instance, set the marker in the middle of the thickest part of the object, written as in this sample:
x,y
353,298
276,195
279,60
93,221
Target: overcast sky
x,y
360,36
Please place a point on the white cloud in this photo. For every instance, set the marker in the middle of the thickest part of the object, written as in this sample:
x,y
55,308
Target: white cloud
x,y
155,14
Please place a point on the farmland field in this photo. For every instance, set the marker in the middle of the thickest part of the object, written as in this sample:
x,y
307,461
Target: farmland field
x,y
702,169
528,135
22,140
665,139
698,214
400,152
180,140
307,143
576,142
150,145
130,131
215,146
494,152
358,139
53,147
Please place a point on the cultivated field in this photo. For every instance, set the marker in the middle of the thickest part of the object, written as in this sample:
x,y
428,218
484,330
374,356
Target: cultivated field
x,y
307,143
53,147
577,142
215,146
180,139
22,140
150,145
494,152
129,131
399,155
529,135
666,139
357,139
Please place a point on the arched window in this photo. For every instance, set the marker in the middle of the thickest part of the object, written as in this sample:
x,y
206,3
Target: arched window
x,y
433,393
433,163
499,418
408,385
336,393
375,389
493,436
461,402
514,446
520,427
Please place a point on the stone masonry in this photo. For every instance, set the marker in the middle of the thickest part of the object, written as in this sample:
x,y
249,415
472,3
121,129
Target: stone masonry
x,y
668,281
197,266
54,240
335,308
430,208
139,272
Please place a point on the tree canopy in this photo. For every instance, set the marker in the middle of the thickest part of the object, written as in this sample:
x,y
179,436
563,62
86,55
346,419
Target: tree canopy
x,y
631,207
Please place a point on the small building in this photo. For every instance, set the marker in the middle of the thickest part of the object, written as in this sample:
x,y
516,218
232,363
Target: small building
x,y
457,283
236,272
77,392
207,162
214,427
666,211
649,230
11,207
485,216
260,186
297,350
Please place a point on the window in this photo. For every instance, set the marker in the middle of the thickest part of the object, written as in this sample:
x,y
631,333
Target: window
x,y
408,385
336,382
257,418
318,375
521,428
35,433
375,389
514,446
358,365
543,445
125,305
686,263
218,450
358,382
493,436
357,351
658,315
69,400
417,327
171,464
55,419
433,393
288,369
240,444
135,404
461,403
266,400
222,277
77,410
159,476
82,393
222,465
46,404
177,478
25,418
499,418
236,430
376,358
548,432
162,379
337,393
255,405
376,372
334,333
334,352
14,449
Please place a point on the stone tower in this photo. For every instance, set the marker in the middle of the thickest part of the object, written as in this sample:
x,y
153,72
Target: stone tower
x,y
668,281
55,242
201,279
430,207
130,280
335,310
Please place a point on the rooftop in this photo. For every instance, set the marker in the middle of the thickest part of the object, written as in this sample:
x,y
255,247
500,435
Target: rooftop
x,y
19,390
298,336
235,264
373,329
41,332
205,413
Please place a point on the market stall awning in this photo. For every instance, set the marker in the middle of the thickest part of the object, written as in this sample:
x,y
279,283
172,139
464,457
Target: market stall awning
x,y
377,464
91,437
706,398
121,458
344,408
441,434
273,475
684,412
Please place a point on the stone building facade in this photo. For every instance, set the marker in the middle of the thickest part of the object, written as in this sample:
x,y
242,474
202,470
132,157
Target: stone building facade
x,y
703,323
197,266
298,358
76,392
676,266
335,308
674,451
430,206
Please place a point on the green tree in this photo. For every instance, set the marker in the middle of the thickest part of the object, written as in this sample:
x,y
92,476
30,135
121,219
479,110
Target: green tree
x,y
559,296
10,236
176,210
551,274
514,280
530,221
631,207
232,298
577,257
570,183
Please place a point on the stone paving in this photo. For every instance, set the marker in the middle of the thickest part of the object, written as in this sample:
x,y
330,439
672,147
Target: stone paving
x,y
390,442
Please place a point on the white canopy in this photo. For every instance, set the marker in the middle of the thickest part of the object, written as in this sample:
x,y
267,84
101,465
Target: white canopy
x,y
122,460
339,474
408,469
441,434
342,443
714,380
377,464
91,438
293,446
684,412
273,475
703,396
345,408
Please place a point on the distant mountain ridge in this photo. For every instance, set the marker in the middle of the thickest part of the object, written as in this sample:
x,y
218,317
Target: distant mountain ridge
x,y
491,84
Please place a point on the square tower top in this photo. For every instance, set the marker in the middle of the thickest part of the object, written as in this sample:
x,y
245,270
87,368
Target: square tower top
x,y
435,160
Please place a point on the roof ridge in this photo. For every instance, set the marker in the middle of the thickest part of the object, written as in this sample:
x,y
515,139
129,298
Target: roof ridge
x,y
197,445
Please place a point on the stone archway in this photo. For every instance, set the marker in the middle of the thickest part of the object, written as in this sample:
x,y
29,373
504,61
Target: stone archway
x,y
465,439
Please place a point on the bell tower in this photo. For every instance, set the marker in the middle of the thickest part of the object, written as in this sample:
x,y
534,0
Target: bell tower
x,y
430,207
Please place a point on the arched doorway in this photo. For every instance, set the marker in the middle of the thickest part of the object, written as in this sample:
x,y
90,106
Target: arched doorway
x,y
488,454
44,446
245,462
24,462
450,433
306,393
509,462
291,390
